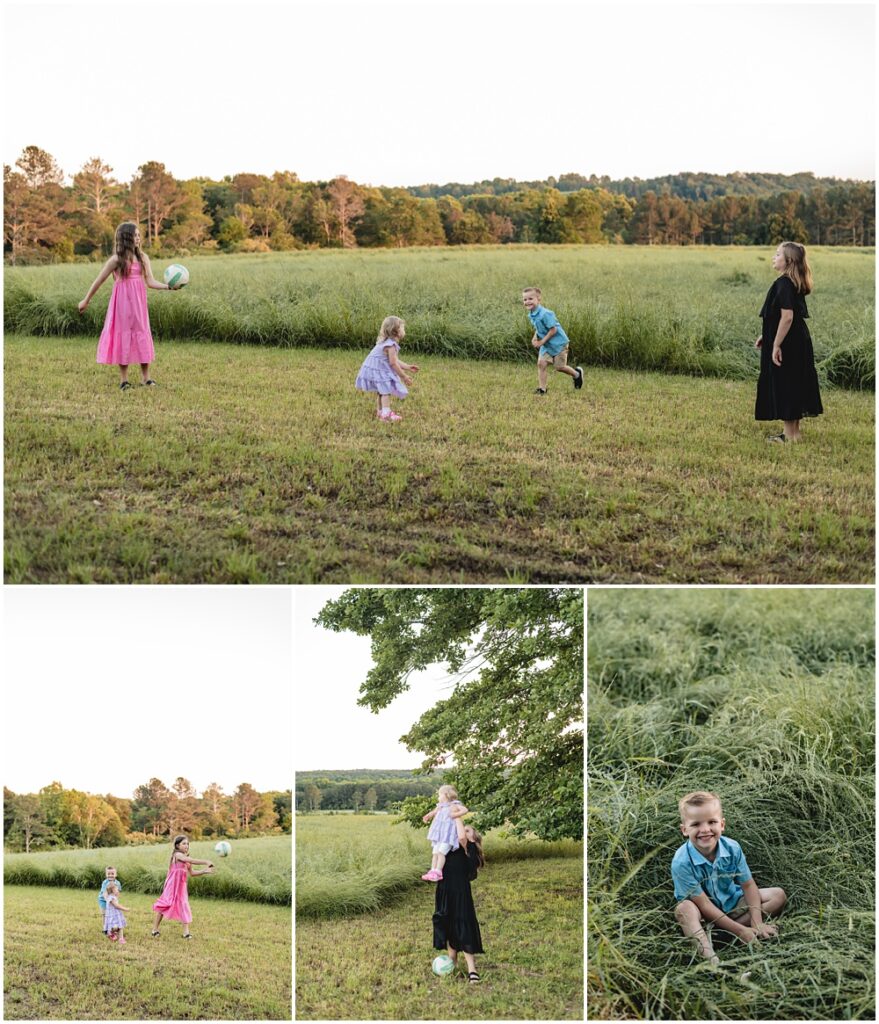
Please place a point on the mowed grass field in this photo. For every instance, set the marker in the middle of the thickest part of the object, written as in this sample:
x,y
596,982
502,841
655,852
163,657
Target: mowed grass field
x,y
374,964
264,465
682,310
59,966
767,699
259,869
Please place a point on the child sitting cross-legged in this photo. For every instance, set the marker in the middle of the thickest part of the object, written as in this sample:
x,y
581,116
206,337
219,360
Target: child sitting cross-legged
x,y
713,883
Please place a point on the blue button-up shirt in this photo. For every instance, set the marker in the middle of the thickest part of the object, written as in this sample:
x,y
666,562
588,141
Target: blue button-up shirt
x,y
720,880
543,320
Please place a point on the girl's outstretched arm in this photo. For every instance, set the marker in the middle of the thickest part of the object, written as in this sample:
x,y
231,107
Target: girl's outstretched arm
x,y
192,860
397,367
107,269
151,282
458,812
195,874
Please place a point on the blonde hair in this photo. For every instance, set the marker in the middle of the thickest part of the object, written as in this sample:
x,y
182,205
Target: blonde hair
x,y
390,328
797,267
531,288
113,886
696,799
450,792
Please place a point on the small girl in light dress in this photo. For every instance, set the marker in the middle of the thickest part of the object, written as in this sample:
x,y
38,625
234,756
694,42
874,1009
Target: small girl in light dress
x,y
443,833
382,371
114,920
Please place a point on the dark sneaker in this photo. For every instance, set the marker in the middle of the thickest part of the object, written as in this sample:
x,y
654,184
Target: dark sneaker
x,y
125,386
540,391
578,380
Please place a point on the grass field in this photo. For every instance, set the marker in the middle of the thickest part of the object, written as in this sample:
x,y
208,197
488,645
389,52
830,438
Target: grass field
x,y
347,864
765,698
264,465
259,870
59,966
690,310
375,965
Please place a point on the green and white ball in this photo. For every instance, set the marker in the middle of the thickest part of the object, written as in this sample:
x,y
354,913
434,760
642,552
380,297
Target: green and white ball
x,y
176,275
223,849
443,965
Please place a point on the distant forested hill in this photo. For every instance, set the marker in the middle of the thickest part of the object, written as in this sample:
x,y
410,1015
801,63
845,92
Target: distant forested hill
x,y
686,185
371,789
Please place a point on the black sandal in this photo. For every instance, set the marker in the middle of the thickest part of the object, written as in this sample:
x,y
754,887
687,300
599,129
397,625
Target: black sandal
x,y
473,978
154,934
149,383
777,438
540,391
188,935
125,385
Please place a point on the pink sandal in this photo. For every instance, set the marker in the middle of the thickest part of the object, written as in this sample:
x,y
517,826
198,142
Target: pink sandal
x,y
390,415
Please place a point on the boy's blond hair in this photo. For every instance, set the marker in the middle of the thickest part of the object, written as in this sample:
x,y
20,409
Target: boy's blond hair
x,y
696,799
531,288
449,791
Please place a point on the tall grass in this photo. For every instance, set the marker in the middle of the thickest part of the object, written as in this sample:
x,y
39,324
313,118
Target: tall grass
x,y
691,311
767,699
258,870
352,864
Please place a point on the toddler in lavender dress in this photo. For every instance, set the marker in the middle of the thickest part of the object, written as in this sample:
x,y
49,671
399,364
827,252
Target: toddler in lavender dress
x,y
382,371
443,834
114,920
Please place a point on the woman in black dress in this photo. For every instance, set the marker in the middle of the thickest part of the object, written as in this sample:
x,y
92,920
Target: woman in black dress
x,y
455,927
788,386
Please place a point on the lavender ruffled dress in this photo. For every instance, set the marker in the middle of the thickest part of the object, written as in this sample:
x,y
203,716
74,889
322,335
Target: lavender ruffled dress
x,y
376,373
443,828
113,917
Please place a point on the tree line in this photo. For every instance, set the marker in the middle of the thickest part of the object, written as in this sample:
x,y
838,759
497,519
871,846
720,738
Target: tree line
x,y
46,220
315,793
56,817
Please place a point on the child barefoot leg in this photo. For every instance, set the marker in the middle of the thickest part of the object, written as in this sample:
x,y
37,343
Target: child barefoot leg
x,y
690,920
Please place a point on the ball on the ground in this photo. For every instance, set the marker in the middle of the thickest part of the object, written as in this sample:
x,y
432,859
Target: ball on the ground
x,y
223,849
443,964
176,275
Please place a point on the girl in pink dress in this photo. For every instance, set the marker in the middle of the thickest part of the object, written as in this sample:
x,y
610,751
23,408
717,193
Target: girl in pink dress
x,y
126,337
174,901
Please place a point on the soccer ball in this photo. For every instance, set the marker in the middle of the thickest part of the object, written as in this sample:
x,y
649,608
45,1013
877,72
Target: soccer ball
x,y
176,275
223,849
443,964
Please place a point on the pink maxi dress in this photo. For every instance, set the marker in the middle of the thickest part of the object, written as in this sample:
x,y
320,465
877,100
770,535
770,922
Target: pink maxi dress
x,y
126,337
174,901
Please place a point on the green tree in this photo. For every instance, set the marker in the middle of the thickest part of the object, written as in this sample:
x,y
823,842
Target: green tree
x,y
28,826
370,798
512,725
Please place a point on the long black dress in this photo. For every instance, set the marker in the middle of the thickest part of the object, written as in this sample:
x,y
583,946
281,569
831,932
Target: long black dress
x,y
789,391
454,919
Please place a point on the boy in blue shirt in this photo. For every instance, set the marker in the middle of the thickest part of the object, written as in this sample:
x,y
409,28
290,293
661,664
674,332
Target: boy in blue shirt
x,y
713,883
102,895
550,339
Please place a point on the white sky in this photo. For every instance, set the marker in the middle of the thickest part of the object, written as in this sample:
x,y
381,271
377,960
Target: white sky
x,y
429,91
106,687
332,731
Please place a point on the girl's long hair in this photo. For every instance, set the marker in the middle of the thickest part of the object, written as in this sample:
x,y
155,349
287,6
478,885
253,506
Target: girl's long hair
x,y
177,841
476,841
797,268
450,792
390,328
126,249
